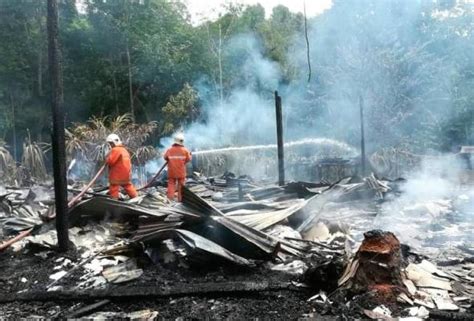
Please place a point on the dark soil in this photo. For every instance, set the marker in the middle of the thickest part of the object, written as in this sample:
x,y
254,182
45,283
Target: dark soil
x,y
281,305
285,305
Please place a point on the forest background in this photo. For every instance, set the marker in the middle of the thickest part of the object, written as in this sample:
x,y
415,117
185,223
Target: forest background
x,y
409,62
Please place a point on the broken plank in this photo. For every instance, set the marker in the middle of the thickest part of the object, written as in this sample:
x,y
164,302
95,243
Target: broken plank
x,y
88,309
445,315
178,289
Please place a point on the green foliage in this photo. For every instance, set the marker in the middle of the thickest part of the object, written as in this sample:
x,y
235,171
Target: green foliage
x,y
128,56
279,34
409,68
23,55
179,110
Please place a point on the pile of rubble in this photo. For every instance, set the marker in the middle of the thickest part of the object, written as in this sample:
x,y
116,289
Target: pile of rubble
x,y
306,238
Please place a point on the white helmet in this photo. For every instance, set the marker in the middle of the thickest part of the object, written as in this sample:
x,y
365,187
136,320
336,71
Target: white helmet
x,y
179,138
113,138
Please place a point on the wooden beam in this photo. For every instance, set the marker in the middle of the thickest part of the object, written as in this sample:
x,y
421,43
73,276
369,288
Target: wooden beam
x,y
362,138
279,126
58,135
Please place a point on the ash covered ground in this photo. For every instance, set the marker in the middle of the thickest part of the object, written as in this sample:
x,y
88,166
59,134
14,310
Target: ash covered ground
x,y
275,304
319,229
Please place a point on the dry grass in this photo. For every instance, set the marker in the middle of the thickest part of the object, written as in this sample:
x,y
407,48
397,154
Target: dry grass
x,y
84,142
33,159
7,164
87,141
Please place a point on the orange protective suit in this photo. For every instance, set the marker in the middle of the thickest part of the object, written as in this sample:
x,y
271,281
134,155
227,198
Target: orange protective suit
x,y
120,172
177,156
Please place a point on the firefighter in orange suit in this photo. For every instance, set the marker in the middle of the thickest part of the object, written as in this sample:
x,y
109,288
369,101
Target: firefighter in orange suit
x,y
120,168
177,156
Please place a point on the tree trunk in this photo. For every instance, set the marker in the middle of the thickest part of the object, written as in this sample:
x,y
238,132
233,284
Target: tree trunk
x,y
40,73
219,57
362,137
307,42
130,87
114,80
58,137
279,127
40,58
12,105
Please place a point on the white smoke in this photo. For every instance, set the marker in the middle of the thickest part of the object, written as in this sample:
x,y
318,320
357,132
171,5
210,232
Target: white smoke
x,y
434,197
246,116
243,118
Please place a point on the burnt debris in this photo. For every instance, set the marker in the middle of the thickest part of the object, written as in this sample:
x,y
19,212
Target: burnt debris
x,y
232,237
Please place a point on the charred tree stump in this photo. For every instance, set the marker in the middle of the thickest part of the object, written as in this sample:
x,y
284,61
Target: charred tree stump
x,y
377,267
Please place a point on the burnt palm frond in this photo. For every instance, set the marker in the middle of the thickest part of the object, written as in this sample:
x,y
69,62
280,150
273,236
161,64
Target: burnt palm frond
x,y
75,145
135,135
98,152
120,122
87,141
33,159
7,163
144,154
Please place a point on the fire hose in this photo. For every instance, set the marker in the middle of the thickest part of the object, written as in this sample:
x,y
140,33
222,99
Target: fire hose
x,y
74,200
154,177
84,190
9,242
25,233
101,170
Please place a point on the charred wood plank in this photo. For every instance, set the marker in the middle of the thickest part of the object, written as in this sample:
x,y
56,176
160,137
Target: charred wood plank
x,y
446,315
456,261
362,137
88,309
177,290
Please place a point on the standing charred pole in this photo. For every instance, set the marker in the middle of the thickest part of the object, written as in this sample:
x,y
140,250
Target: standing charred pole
x,y
362,136
59,150
279,125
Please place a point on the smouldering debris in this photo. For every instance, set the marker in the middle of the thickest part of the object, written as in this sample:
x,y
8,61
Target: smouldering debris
x,y
309,233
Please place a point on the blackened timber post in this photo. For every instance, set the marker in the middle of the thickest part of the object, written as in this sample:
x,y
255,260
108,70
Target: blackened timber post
x,y
241,192
362,137
58,141
279,125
